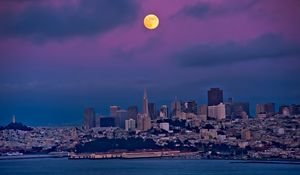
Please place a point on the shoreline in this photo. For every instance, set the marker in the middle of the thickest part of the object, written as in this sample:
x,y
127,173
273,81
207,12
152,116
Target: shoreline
x,y
182,157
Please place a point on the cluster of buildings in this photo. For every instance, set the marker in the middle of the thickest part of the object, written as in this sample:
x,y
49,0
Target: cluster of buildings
x,y
216,108
218,129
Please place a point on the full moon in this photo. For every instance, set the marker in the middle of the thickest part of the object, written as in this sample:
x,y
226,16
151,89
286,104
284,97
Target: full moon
x,y
151,21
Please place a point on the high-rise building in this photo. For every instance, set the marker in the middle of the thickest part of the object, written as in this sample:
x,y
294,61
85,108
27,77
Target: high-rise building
x,y
176,108
145,103
132,112
107,121
89,118
266,108
238,109
130,125
143,122
190,107
152,111
163,113
289,109
97,121
202,110
122,115
217,111
215,96
113,110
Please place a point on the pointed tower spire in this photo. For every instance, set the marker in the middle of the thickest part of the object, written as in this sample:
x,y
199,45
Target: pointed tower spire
x,y
145,103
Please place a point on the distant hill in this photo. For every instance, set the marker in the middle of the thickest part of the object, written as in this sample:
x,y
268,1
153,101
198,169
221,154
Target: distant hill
x,y
16,126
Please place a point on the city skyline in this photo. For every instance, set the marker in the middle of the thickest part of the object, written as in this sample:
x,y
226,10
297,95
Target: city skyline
x,y
144,108
57,57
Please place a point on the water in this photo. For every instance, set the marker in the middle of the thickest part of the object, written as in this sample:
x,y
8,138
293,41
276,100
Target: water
x,y
141,167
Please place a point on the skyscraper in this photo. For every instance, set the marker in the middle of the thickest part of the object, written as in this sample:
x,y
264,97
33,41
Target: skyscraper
x,y
89,118
145,103
163,112
122,115
130,125
266,108
113,110
132,112
239,108
190,107
215,96
217,111
176,107
143,122
152,110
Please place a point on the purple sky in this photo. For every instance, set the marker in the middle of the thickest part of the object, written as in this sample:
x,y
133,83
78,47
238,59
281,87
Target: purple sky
x,y
59,56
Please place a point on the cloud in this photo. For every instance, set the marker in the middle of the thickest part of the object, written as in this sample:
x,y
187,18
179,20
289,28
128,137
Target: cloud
x,y
269,46
210,8
41,20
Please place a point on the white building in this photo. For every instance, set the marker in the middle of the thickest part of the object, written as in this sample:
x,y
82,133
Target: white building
x,y
130,125
218,112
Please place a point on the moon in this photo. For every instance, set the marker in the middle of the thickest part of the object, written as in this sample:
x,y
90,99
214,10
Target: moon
x,y
151,21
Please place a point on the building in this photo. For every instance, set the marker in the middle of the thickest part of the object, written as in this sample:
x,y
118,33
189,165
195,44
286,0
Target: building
x,y
130,125
152,111
215,96
238,109
190,107
132,112
97,121
143,122
107,121
266,108
145,103
176,108
122,115
163,113
202,112
217,112
113,110
165,126
289,109
89,118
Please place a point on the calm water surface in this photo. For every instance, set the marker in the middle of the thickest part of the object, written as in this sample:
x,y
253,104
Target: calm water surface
x,y
141,167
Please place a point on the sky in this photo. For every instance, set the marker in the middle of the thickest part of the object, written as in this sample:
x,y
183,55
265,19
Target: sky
x,y
59,56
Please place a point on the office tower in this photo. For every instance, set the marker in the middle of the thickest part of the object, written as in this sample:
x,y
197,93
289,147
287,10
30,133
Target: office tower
x,y
121,117
217,111
294,109
176,107
89,118
267,108
97,121
132,112
152,111
215,96
163,113
130,125
237,109
107,121
289,109
190,107
145,103
144,122
203,112
113,110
